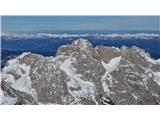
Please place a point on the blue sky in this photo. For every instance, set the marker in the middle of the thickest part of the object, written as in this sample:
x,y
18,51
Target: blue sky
x,y
120,23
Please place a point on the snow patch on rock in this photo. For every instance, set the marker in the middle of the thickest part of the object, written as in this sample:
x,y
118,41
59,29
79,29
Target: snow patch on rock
x,y
110,67
24,54
157,77
76,86
5,100
18,76
147,56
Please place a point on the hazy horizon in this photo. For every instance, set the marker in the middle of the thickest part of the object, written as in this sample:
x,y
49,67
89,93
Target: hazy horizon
x,y
112,23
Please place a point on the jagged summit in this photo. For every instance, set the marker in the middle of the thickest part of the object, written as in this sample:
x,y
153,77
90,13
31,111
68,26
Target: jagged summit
x,y
82,74
82,43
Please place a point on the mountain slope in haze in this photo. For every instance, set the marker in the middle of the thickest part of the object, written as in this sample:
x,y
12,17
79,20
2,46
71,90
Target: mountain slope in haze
x,y
82,74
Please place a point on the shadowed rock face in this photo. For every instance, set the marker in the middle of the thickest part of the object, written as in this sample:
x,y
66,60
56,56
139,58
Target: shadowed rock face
x,y
82,74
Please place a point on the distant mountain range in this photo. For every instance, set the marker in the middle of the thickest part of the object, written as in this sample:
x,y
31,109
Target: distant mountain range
x,y
13,44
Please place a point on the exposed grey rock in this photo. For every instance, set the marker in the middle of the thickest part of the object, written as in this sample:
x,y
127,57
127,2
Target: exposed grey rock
x,y
82,74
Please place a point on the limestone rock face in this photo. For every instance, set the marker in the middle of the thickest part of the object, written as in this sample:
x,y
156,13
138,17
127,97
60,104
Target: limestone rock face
x,y
82,74
134,81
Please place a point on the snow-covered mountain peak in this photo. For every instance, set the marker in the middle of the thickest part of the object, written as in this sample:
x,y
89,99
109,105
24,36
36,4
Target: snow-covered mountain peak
x,y
82,43
82,74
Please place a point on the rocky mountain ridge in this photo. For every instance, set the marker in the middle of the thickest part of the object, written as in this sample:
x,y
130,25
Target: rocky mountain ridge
x,y
82,74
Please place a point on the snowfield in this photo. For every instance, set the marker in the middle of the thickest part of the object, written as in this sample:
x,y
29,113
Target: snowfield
x,y
83,88
22,81
110,67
